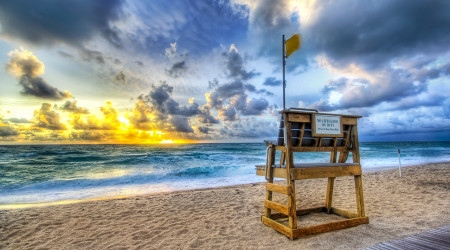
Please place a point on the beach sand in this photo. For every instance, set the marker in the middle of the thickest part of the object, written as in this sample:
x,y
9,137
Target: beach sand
x,y
229,217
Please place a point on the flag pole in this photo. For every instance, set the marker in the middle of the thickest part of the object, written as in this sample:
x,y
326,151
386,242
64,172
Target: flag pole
x,y
284,82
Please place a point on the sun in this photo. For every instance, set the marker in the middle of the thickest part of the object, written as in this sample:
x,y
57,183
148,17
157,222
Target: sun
x,y
166,141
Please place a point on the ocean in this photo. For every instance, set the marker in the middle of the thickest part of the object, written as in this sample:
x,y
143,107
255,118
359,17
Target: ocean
x,y
31,174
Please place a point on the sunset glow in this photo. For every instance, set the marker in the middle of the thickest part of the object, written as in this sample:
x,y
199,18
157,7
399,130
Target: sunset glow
x,y
135,71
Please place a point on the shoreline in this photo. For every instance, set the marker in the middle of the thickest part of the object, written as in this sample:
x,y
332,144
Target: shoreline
x,y
25,205
229,217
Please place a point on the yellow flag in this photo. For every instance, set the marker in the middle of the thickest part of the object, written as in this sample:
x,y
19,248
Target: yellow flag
x,y
293,44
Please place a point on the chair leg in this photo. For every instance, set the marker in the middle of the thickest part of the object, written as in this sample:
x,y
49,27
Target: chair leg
x,y
291,197
359,196
329,198
268,211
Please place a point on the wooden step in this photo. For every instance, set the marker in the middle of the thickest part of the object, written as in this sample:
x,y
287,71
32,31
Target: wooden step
x,y
278,188
278,207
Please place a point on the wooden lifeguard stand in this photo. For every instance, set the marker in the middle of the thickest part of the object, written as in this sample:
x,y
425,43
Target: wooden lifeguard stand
x,y
306,131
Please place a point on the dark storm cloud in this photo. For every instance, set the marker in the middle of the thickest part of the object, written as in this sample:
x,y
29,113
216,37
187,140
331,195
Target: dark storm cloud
x,y
177,69
72,107
416,102
235,94
120,77
197,26
27,68
38,87
249,127
269,21
92,56
158,108
181,124
48,22
203,129
6,131
396,85
206,116
228,114
374,32
234,64
272,81
65,54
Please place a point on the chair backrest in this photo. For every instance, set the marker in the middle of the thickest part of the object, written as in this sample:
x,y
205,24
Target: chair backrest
x,y
308,131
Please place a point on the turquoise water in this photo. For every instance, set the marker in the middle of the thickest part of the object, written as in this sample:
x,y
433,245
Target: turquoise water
x,y
47,173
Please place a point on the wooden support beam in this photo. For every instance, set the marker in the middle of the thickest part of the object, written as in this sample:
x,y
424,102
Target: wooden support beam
x,y
277,226
324,172
329,198
301,232
343,213
359,196
278,188
269,169
276,206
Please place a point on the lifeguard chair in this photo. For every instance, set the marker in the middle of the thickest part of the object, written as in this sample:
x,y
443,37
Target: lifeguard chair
x,y
305,130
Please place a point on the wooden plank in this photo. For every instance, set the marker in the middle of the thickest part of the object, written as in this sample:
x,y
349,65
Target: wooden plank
x,y
329,197
282,158
309,210
302,133
349,120
301,232
359,196
275,206
324,172
278,188
271,161
318,149
277,226
299,212
300,118
309,113
277,172
344,213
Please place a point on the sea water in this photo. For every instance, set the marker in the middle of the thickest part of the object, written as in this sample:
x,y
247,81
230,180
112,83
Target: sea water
x,y
49,173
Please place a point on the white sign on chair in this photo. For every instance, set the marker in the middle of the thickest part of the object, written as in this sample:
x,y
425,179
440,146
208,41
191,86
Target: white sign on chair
x,y
327,125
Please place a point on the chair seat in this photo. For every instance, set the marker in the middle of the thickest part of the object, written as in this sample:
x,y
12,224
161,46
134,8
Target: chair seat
x,y
317,165
313,165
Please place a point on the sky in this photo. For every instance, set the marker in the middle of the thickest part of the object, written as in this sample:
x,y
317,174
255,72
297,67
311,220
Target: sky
x,y
136,71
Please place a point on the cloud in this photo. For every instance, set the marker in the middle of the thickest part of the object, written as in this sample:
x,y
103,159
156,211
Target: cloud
x,y
228,113
47,118
375,32
387,85
268,21
250,127
181,124
177,69
272,81
159,111
19,120
7,131
92,55
234,93
72,22
65,54
91,122
27,68
120,77
234,65
72,107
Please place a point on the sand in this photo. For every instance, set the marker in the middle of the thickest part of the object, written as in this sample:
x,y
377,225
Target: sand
x,y
229,217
